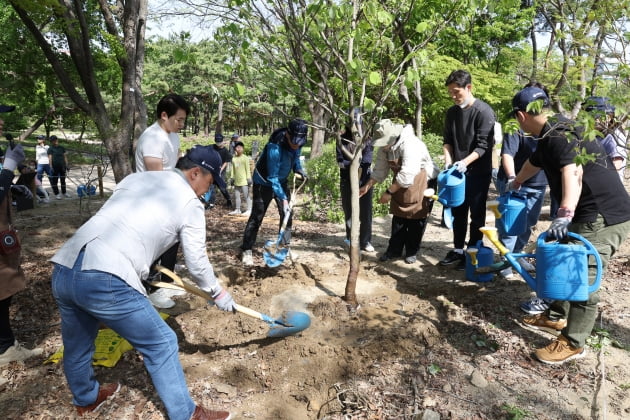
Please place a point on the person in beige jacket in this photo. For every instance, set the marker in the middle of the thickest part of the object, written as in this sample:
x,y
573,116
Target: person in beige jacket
x,y
400,151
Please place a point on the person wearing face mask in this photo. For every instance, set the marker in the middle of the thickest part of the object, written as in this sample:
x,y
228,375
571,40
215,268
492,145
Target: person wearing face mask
x,y
468,142
280,156
158,150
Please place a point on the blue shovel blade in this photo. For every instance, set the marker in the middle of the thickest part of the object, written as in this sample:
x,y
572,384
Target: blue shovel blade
x,y
274,255
290,323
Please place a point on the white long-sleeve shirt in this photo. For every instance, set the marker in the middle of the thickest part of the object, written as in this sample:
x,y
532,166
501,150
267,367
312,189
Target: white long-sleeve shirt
x,y
147,213
415,157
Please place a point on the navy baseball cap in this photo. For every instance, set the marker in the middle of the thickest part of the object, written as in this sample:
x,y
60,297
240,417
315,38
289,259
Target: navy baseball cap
x,y
527,96
218,138
208,158
235,136
298,131
6,108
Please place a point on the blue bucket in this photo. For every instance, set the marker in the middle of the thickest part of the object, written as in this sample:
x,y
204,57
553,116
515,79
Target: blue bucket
x,y
451,187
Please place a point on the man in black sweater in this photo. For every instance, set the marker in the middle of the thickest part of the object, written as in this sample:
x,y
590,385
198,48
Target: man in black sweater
x,y
468,143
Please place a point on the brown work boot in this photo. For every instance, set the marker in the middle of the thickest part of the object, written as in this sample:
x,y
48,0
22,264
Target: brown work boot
x,y
104,392
559,351
205,414
542,322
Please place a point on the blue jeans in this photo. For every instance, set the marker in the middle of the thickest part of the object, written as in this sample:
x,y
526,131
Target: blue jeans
x,y
534,197
87,298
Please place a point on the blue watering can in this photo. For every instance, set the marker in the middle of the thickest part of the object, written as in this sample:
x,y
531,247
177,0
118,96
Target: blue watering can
x,y
82,190
510,213
451,192
561,269
480,256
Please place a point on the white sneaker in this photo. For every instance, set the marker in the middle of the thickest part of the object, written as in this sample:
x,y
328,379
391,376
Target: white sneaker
x,y
46,200
58,196
161,300
292,255
368,247
247,213
526,265
235,212
248,259
66,195
17,353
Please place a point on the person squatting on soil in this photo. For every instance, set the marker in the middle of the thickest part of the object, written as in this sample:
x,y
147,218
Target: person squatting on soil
x,y
408,157
158,150
280,156
365,202
593,203
468,143
59,164
240,175
97,278
12,278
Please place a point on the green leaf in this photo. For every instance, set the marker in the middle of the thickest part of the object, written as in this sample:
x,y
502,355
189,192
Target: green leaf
x,y
239,89
375,78
421,27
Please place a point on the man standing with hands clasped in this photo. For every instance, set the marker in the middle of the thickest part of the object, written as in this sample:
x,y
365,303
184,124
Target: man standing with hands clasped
x,y
593,203
97,278
468,142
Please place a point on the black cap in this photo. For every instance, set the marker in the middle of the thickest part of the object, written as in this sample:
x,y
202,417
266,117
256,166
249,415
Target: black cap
x,y
208,158
526,96
298,130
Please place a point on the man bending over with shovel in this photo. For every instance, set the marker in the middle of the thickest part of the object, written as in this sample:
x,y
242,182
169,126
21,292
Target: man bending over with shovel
x,y
280,156
98,273
593,204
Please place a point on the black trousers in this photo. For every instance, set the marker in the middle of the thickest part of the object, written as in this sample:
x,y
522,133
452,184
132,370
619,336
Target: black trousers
x,y
477,186
406,235
262,196
6,334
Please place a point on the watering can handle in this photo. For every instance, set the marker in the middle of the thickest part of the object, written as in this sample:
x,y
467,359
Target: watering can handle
x,y
590,250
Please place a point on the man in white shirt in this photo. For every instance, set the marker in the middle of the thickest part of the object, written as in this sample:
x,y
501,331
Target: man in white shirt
x,y
97,278
158,146
158,150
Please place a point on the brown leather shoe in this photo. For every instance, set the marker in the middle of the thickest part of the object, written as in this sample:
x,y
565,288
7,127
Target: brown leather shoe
x,y
104,392
205,414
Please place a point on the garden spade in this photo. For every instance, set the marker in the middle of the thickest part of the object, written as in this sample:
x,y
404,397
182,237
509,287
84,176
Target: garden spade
x,y
291,322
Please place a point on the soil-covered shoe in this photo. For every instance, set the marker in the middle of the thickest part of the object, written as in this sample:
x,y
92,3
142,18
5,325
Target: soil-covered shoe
x,y
161,299
247,258
507,274
453,258
104,392
205,414
559,351
18,353
235,212
410,259
542,322
535,305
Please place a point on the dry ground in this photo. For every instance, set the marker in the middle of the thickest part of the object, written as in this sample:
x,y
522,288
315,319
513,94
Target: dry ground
x,y
425,343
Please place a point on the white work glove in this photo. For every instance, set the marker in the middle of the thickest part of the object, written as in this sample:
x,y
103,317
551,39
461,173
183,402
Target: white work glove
x,y
512,184
460,166
22,190
285,206
223,299
13,157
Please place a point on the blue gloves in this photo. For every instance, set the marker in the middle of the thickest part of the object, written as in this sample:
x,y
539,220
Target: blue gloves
x,y
223,299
